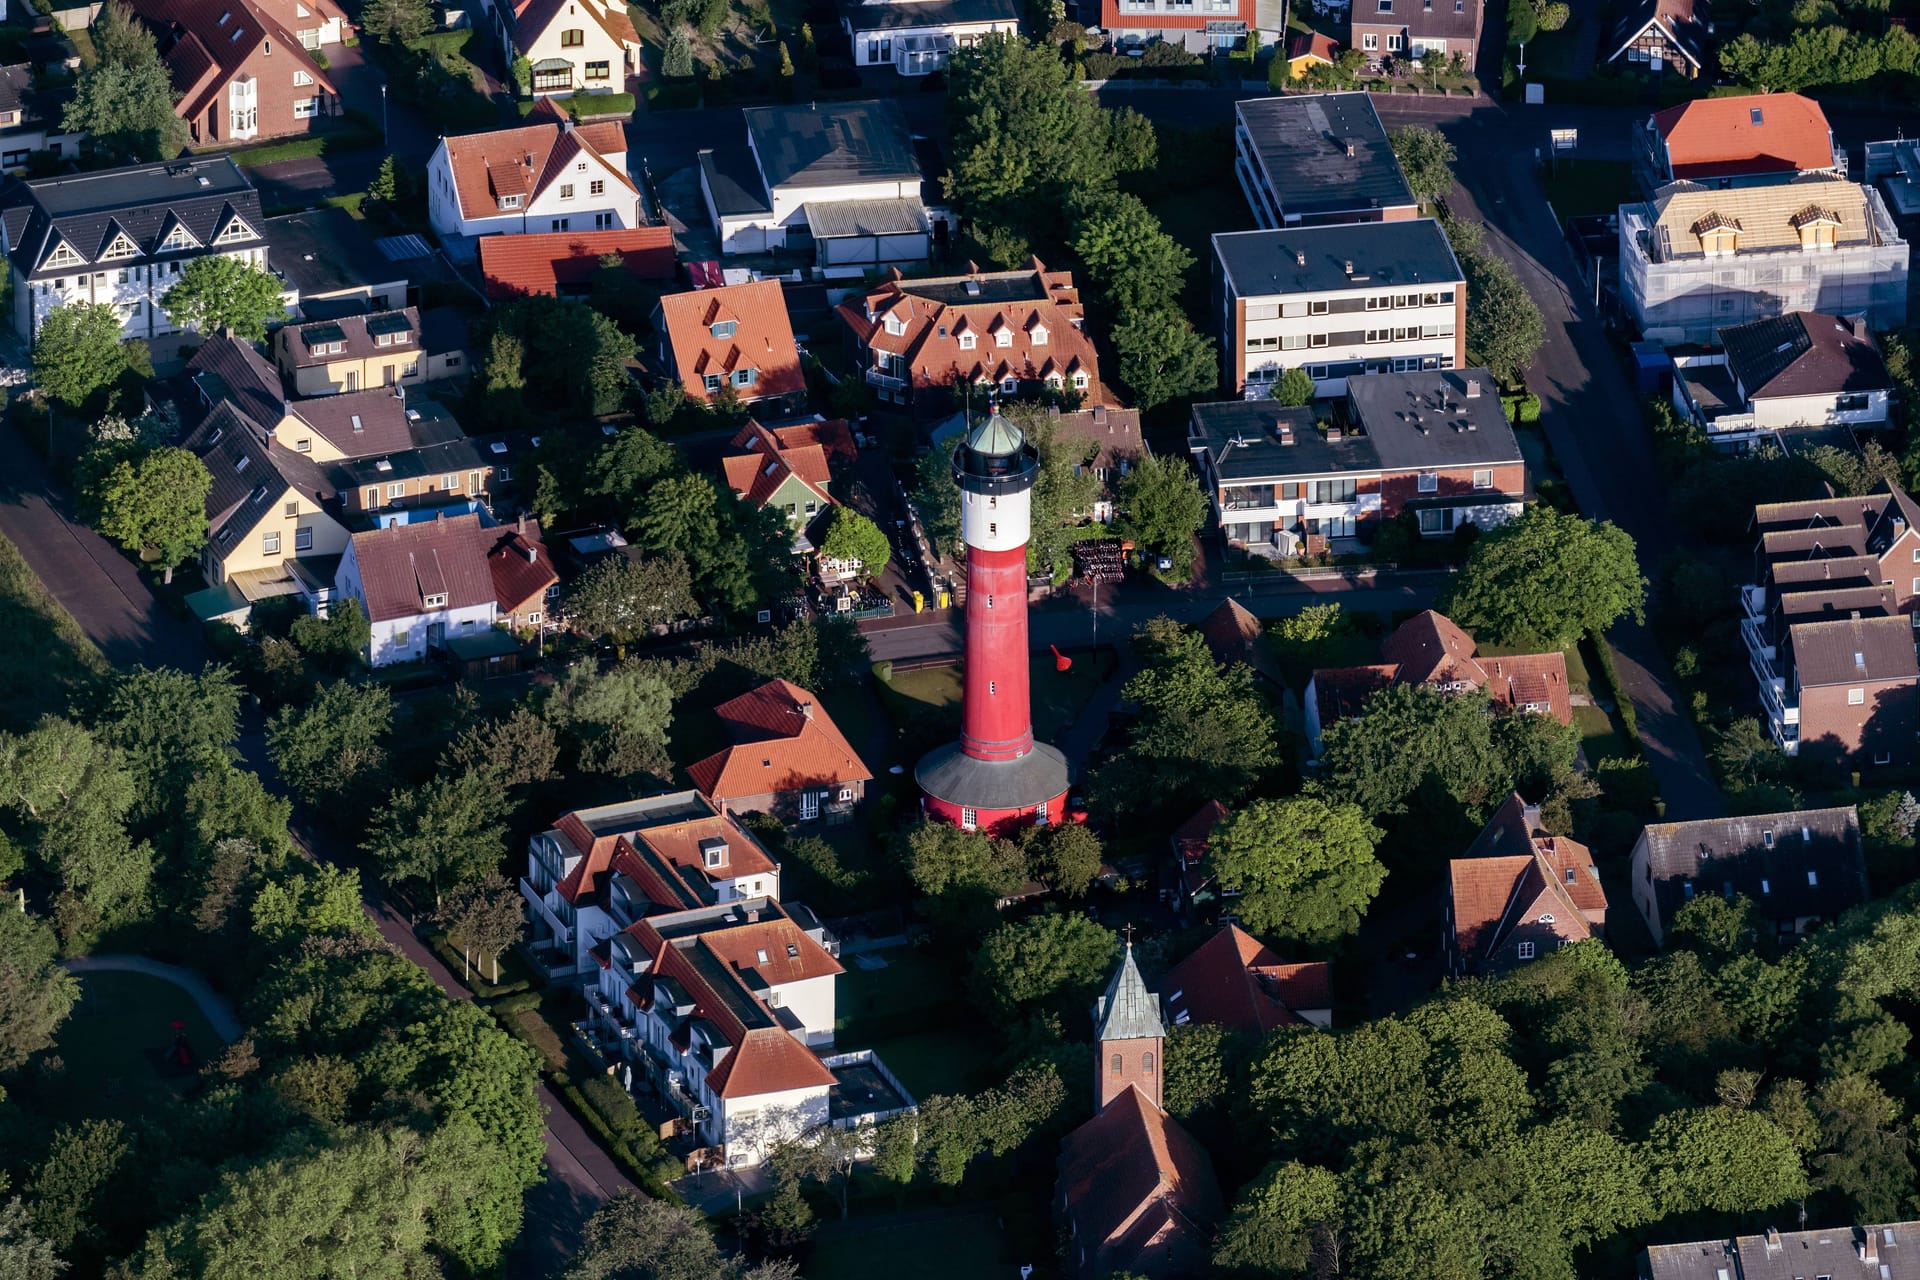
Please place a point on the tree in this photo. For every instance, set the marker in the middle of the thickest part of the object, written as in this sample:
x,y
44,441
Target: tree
x,y
157,503
1065,857
170,724
1547,578
36,992
677,64
446,833
67,1187
852,538
1128,256
385,186
1415,741
123,103
24,1255
1280,1219
936,499
517,751
1504,326
1304,868
1162,356
1855,472
217,292
633,1237
624,598
337,643
1294,387
1721,1160
396,21
77,352
1426,158
941,858
1523,22
624,470
617,722
487,916
330,751
1162,508
317,902
1049,959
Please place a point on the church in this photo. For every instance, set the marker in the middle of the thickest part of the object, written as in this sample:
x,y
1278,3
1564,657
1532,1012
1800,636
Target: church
x,y
1136,1193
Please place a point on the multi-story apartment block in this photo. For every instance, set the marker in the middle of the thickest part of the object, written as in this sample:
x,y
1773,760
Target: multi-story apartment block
x,y
1695,259
1201,27
1315,158
1799,870
121,237
1828,624
1337,301
1435,444
598,870
1395,29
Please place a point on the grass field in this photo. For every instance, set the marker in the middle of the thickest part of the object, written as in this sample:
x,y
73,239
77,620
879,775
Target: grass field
x,y
44,656
964,1244
1058,697
912,979
1579,187
117,1047
915,1014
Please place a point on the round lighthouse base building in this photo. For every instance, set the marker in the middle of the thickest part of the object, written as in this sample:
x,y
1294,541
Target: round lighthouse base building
x,y
995,796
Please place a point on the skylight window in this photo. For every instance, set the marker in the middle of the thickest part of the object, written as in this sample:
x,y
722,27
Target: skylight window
x,y
761,955
1755,117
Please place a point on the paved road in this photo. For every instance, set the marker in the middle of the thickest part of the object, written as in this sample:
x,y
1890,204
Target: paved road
x,y
217,1008
111,601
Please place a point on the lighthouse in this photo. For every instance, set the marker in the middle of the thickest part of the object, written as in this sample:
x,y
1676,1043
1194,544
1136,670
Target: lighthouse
x,y
996,778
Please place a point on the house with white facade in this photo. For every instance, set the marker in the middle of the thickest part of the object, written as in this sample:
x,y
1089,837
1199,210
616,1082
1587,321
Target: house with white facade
x,y
843,177
550,176
916,37
1787,374
1337,301
29,121
1696,259
121,237
572,46
424,584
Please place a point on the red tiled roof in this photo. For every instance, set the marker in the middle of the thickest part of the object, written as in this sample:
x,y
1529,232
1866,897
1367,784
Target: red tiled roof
x,y
521,568
768,1060
533,17
1482,888
1514,876
1233,980
937,317
506,162
789,954
762,338
1190,837
1312,44
1530,680
783,741
676,842
515,266
1430,649
833,436
1342,691
404,563
217,37
1715,137
1133,1161
757,474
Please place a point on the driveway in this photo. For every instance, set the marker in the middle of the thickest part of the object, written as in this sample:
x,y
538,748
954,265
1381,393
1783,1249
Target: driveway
x,y
217,1008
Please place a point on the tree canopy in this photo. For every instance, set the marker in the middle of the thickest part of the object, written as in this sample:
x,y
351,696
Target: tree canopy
x,y
853,538
1052,959
1161,508
77,352
1547,578
157,503
123,103
217,292
1426,158
1304,868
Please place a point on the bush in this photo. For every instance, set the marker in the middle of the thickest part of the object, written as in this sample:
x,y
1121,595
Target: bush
x,y
1603,653
519,1003
883,672
648,1164
581,105
442,43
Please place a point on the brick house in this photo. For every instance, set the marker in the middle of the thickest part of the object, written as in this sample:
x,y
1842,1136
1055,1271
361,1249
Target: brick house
x,y
786,758
1518,893
314,23
1436,444
121,237
544,177
1800,869
1430,649
1235,980
1012,333
1135,1193
1828,625
1286,296
1309,159
238,73
1397,29
735,337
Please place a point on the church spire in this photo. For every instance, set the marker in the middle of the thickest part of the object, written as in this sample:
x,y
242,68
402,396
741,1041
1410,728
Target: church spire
x,y
1128,1011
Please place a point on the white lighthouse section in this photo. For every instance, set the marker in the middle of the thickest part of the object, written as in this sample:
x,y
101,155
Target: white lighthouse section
x,y
996,522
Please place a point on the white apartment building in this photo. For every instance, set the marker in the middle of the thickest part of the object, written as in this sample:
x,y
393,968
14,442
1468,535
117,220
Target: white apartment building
x,y
121,237
1338,301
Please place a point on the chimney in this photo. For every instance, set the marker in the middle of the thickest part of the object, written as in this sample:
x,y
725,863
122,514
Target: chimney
x,y
1285,433
1473,388
1773,1240
1870,1248
1349,266
531,552
1334,433
806,710
1299,259
1352,151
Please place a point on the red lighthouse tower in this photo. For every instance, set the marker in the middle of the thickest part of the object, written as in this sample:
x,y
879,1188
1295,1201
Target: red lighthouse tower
x,y
996,777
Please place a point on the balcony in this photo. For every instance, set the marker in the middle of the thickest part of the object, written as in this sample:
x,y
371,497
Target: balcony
x,y
1753,601
885,381
864,1092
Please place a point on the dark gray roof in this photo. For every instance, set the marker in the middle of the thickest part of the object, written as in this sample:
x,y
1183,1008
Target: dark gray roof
x,y
1433,19
1893,1252
1316,259
1854,651
895,15
1803,354
16,84
1766,857
1034,779
833,219
326,251
733,182
830,143
1303,140
248,476
89,210
231,369
1428,419
1128,1011
444,329
1242,439
444,458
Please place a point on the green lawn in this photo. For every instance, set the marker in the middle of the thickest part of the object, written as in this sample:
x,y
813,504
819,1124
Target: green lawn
x,y
961,1243
912,979
1577,187
117,1047
955,1055
45,658
1058,697
1598,736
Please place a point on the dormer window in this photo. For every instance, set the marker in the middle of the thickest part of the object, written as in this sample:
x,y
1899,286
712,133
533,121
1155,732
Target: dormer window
x,y
1004,338
1039,335
179,238
723,328
436,601
234,230
1079,382
509,202
1718,234
968,342
63,256
122,247
745,377
1819,227
894,325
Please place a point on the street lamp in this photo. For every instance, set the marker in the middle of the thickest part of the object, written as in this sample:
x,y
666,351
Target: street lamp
x,y
384,141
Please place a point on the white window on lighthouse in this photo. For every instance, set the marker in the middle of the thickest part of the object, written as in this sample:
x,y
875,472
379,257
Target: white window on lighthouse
x,y
993,530
993,688
969,820
989,602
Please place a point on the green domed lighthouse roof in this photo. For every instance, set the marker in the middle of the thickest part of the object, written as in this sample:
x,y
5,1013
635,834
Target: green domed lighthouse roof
x,y
996,437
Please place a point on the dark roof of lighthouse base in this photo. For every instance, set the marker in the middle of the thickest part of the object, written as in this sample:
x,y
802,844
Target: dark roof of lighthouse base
x,y
947,773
